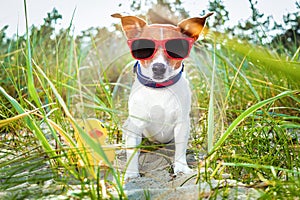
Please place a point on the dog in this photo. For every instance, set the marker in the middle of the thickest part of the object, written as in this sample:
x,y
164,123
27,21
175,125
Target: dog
x,y
160,99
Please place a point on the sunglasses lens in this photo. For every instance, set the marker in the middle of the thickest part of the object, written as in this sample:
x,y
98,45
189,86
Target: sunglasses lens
x,y
178,48
142,49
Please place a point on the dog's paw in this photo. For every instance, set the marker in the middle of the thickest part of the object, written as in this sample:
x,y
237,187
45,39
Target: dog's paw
x,y
131,175
182,168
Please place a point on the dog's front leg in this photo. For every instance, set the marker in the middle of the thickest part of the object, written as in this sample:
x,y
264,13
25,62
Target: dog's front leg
x,y
133,137
181,136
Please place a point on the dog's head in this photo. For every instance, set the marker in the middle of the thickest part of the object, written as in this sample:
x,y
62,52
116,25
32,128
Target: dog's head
x,y
160,48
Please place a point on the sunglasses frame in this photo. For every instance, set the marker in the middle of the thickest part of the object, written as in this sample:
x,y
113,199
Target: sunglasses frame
x,y
161,43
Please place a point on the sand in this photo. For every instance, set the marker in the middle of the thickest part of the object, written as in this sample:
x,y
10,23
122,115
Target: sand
x,y
158,182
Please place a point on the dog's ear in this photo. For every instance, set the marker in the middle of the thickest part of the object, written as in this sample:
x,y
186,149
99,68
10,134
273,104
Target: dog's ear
x,y
132,26
192,27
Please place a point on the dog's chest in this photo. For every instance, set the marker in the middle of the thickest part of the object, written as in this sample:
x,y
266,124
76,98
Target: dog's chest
x,y
155,111
170,103
154,104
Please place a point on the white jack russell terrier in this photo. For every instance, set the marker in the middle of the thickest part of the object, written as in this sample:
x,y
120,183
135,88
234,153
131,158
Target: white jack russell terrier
x,y
160,99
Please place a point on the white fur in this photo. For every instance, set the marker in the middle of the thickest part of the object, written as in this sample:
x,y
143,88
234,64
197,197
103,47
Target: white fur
x,y
162,115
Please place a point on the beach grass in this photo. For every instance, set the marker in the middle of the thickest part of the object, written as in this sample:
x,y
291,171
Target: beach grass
x,y
245,114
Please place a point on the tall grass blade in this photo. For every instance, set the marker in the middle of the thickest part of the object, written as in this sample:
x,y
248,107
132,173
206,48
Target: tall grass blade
x,y
30,81
233,82
211,122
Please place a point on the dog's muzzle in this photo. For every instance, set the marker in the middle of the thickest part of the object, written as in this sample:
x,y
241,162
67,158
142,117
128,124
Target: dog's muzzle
x,y
159,69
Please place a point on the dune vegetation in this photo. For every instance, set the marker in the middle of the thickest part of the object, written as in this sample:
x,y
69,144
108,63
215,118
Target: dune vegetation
x,y
245,113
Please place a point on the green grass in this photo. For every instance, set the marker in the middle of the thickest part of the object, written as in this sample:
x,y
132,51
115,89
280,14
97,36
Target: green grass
x,y
245,114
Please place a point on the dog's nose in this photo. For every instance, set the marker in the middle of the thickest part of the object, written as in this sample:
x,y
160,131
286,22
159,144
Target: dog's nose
x,y
159,68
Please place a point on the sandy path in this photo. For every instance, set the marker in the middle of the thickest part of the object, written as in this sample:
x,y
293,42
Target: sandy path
x,y
156,181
